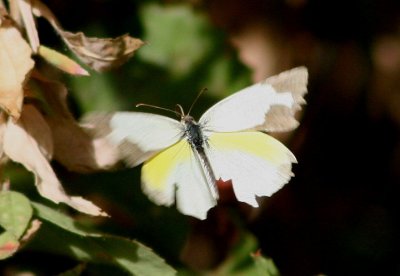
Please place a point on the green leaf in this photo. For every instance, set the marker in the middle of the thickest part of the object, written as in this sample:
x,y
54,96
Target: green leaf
x,y
61,220
265,266
99,92
8,245
75,271
85,245
181,43
243,261
134,257
15,213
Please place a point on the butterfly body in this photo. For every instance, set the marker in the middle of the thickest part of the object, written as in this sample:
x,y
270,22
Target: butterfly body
x,y
182,160
198,142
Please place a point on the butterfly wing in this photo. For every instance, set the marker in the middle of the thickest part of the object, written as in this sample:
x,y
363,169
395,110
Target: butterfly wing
x,y
268,105
257,163
174,174
138,135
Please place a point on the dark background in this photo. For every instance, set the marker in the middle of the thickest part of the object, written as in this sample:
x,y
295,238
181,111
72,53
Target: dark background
x,y
339,214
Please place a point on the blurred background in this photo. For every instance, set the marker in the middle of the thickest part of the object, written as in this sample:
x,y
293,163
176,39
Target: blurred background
x,y
339,215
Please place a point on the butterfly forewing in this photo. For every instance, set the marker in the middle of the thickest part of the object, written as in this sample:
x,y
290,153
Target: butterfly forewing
x,y
141,135
254,107
282,118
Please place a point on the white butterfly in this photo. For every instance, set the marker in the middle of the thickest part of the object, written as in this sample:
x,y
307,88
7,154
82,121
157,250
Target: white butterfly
x,y
184,159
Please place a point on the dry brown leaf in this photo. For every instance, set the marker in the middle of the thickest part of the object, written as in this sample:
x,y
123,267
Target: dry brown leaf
x,y
25,8
53,93
36,126
41,10
31,231
26,147
14,11
73,147
3,12
101,54
2,129
15,64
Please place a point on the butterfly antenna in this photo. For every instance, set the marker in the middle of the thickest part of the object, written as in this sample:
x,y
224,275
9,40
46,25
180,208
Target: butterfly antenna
x,y
197,97
180,111
159,107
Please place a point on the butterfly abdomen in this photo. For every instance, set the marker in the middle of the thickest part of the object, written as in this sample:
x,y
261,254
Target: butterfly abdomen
x,y
198,141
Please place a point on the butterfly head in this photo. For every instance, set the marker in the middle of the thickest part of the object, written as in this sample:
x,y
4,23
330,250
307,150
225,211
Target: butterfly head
x,y
186,119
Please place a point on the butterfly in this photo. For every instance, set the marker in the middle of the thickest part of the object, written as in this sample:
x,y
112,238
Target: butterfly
x,y
183,160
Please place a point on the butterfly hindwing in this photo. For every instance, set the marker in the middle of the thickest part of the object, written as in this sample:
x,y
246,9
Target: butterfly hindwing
x,y
174,174
257,163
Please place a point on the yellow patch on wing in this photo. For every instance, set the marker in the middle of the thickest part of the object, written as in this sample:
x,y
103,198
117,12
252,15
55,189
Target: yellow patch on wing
x,y
157,172
254,143
257,164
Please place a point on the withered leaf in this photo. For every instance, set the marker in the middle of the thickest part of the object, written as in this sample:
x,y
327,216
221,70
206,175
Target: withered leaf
x,y
26,147
73,147
35,125
15,64
101,54
25,9
55,58
2,129
3,13
31,231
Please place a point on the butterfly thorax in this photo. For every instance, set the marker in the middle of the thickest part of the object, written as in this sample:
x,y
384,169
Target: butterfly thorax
x,y
193,132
